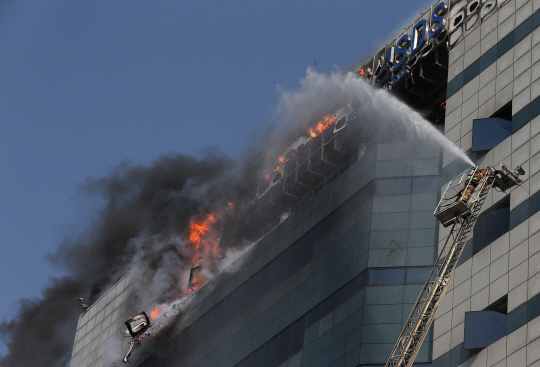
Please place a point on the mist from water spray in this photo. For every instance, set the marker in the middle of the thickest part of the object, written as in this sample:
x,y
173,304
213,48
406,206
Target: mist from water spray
x,y
394,120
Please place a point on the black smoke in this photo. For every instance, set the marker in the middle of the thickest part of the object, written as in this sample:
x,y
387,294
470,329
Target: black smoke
x,y
154,201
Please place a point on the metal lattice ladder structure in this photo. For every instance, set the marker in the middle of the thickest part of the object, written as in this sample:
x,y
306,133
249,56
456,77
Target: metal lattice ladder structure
x,y
423,313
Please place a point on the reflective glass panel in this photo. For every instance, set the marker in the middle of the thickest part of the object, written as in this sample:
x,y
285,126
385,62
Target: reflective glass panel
x,y
313,316
386,276
418,275
298,335
488,133
492,224
257,357
284,346
245,363
270,353
483,328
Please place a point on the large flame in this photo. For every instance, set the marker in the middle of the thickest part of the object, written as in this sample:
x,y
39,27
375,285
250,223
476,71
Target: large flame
x,y
202,241
202,245
322,125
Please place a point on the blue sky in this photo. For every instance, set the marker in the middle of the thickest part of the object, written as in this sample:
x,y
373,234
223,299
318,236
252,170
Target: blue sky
x,y
88,85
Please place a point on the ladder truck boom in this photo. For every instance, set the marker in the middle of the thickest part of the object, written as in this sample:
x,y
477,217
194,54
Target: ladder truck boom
x,y
459,207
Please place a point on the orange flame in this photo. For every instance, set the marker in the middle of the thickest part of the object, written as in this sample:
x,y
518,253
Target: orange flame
x,y
361,72
321,126
200,239
196,282
155,312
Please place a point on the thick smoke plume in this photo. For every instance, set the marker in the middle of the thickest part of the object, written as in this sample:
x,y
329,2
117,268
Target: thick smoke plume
x,y
143,227
145,208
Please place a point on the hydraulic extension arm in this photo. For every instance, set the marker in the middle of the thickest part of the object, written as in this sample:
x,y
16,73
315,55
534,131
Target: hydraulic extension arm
x,y
461,211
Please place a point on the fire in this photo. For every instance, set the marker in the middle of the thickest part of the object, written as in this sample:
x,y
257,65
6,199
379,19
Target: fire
x,y
349,104
155,312
201,240
321,126
196,282
231,205
361,72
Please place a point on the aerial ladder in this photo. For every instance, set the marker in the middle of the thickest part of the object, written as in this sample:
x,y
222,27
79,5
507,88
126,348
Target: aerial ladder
x,y
459,207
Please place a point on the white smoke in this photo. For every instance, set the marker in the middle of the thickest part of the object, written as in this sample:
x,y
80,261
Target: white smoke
x,y
320,92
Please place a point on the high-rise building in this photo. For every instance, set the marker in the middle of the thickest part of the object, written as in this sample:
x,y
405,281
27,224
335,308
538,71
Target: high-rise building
x,y
333,283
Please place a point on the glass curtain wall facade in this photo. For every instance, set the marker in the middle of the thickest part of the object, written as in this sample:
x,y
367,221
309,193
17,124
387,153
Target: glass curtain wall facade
x,y
495,65
330,286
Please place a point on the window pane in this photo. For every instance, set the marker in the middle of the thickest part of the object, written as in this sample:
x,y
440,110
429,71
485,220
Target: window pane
x,y
279,266
488,133
298,335
386,276
329,304
299,255
359,283
245,363
313,316
270,353
284,346
257,358
343,294
492,224
483,328
418,275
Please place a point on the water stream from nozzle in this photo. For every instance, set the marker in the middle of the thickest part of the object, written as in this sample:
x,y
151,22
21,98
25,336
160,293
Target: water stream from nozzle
x,y
320,92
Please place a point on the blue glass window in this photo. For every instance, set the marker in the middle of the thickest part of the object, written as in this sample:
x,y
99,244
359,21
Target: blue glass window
x,y
298,335
483,328
517,318
418,275
386,276
270,353
488,133
257,358
284,346
492,224
314,315
245,363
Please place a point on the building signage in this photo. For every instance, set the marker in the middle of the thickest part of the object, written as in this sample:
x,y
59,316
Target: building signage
x,y
394,63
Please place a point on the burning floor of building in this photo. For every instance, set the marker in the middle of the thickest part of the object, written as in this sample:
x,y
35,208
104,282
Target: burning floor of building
x,y
346,160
